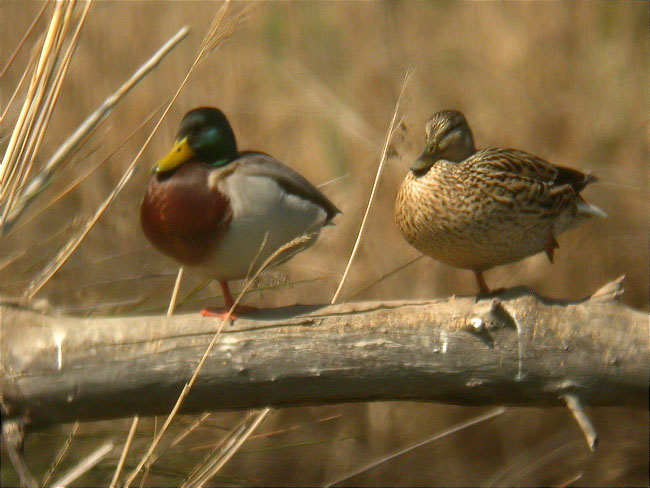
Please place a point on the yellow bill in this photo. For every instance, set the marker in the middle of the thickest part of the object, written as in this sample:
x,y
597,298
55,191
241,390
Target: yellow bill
x,y
180,153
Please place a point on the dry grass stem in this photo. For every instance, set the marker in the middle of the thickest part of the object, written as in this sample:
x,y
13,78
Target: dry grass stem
x,y
295,427
36,135
385,276
540,462
18,139
218,32
257,255
544,450
147,468
452,430
61,454
61,155
181,436
177,286
571,480
9,226
101,113
344,117
194,292
85,465
21,43
48,86
382,161
227,440
188,386
125,451
230,450
333,180
26,71
54,89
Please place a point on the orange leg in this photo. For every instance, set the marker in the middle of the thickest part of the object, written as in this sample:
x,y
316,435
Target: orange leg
x,y
482,285
222,312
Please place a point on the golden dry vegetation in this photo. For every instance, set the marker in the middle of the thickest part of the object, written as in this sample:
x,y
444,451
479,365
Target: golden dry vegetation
x,y
315,84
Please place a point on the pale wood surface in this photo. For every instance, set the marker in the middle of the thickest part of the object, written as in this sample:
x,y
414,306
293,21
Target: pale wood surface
x,y
520,349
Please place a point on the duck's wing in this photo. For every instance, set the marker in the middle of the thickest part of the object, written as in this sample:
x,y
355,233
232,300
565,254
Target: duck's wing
x,y
516,163
260,164
531,181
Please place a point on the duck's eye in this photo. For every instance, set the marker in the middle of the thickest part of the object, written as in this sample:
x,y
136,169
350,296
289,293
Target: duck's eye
x,y
431,148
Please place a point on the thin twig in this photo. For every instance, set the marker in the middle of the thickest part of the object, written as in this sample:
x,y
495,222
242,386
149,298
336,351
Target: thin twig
x,y
181,436
575,405
85,465
452,430
22,41
571,480
230,451
321,185
226,441
387,275
384,151
12,440
61,454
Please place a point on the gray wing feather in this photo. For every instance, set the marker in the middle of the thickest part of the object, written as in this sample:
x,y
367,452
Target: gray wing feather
x,y
260,164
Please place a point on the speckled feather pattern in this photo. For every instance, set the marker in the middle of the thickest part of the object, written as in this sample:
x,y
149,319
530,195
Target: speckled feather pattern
x,y
495,207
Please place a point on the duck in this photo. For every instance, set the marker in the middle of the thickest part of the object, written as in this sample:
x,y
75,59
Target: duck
x,y
477,209
222,212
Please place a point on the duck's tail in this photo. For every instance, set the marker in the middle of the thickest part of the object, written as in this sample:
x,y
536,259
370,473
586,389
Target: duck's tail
x,y
587,210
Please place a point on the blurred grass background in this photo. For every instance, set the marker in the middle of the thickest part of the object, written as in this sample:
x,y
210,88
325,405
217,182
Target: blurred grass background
x,y
315,85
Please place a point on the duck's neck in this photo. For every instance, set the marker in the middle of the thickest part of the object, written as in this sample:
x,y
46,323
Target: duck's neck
x,y
462,149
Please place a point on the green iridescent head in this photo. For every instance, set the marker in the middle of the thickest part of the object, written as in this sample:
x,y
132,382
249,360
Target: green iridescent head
x,y
204,135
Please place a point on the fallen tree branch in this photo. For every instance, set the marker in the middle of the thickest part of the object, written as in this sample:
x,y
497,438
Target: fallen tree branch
x,y
517,349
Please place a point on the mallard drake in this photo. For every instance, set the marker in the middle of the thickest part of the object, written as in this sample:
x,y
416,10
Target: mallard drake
x,y
223,212
479,209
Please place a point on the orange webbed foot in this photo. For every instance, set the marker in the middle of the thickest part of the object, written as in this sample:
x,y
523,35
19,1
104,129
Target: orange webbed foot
x,y
223,312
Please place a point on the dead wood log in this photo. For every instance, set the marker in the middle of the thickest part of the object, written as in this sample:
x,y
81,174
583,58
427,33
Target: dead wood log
x,y
515,349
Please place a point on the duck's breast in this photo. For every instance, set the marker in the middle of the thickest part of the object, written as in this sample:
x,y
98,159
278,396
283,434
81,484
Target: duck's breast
x,y
264,217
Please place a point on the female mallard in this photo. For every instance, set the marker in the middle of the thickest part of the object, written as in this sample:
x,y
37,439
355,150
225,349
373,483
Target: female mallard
x,y
224,212
479,209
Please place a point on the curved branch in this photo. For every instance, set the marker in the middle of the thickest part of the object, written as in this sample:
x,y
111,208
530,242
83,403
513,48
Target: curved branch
x,y
516,349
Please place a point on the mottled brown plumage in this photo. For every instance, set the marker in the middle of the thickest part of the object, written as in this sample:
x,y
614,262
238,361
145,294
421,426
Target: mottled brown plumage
x,y
479,209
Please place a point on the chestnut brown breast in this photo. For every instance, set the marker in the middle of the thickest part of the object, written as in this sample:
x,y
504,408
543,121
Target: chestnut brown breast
x,y
184,217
